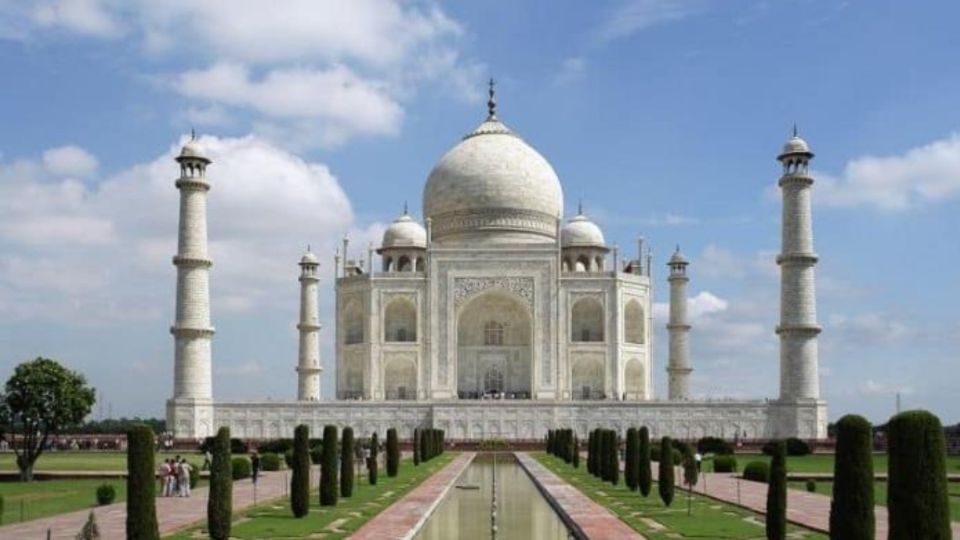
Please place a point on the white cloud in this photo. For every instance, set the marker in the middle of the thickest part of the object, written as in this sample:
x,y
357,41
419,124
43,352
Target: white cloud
x,y
670,220
631,16
872,387
95,254
86,17
869,329
571,69
69,161
923,175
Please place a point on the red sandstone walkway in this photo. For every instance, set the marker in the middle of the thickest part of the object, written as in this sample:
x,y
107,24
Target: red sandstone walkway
x,y
810,510
592,520
174,513
404,518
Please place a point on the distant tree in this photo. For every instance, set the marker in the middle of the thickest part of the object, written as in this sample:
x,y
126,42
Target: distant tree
x,y
346,462
631,461
665,478
614,457
393,452
776,519
576,452
300,481
141,487
328,467
220,498
603,456
40,401
416,446
851,510
644,473
374,464
917,496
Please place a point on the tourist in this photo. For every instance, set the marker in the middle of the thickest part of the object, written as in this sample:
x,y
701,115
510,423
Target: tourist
x,y
170,478
183,477
255,465
163,471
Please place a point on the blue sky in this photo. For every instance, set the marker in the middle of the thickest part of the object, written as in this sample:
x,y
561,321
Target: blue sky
x,y
663,116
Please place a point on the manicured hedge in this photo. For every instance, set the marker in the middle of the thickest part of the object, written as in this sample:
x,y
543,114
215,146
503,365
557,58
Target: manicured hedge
x,y
757,471
300,463
106,494
393,452
644,472
416,446
665,479
346,462
374,464
270,462
851,509
725,464
632,460
776,517
714,445
917,497
240,468
794,446
328,467
220,497
141,485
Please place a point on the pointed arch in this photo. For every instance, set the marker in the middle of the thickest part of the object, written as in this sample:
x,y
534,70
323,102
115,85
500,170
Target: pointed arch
x,y
634,324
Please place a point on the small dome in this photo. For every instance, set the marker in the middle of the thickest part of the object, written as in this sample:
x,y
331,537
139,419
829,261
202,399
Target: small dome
x,y
678,258
404,232
309,258
193,149
796,145
581,232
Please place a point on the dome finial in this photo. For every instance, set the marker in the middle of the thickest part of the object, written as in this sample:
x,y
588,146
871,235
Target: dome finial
x,y
580,207
795,132
492,102
405,208
193,134
308,248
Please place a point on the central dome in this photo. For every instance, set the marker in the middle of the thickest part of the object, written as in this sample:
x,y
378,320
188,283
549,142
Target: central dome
x,y
495,187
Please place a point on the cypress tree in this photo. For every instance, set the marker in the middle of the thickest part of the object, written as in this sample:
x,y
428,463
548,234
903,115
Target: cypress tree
x,y
141,487
851,510
300,481
346,462
416,446
590,451
220,496
644,472
603,459
550,441
665,478
917,496
630,460
576,452
372,466
614,457
566,450
777,494
424,456
393,452
328,467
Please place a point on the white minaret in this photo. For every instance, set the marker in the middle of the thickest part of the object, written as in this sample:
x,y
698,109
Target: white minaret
x,y
678,366
308,365
192,332
798,327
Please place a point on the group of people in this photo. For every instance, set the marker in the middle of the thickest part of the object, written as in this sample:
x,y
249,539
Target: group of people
x,y
175,477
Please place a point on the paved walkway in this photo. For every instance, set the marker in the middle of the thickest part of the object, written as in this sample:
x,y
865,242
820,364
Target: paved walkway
x,y
404,518
587,518
174,513
810,510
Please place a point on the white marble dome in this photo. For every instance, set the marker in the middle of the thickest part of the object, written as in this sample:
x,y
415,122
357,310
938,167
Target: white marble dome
x,y
581,232
309,258
404,232
495,186
193,149
795,145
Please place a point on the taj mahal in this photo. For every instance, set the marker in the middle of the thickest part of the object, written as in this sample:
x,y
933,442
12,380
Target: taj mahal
x,y
497,317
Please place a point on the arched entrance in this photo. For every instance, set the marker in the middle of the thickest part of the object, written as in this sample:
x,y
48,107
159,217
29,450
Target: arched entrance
x,y
494,358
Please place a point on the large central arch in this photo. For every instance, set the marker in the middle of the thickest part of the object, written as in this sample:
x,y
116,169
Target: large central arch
x,y
494,353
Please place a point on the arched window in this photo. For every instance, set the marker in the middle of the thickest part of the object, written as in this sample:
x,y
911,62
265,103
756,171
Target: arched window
x,y
493,333
400,321
583,264
634,380
404,264
586,321
493,381
353,323
420,264
633,323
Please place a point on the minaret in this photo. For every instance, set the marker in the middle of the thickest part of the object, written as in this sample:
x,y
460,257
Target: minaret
x,y
798,327
308,365
678,367
192,332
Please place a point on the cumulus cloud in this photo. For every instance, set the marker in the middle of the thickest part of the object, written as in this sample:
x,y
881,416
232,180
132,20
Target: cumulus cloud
x,y
85,17
922,175
630,16
69,161
75,248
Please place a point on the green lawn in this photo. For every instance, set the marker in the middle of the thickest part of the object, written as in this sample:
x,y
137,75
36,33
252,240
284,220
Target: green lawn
x,y
880,494
709,518
85,461
274,520
823,463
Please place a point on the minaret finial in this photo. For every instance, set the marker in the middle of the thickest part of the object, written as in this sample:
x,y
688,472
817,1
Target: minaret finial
x,y
308,248
795,131
580,207
678,248
405,208
193,134
492,102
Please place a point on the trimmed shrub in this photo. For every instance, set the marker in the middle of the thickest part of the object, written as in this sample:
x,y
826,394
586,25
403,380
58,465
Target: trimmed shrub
x,y
270,462
141,485
714,445
424,450
591,451
725,464
106,493
220,498
551,448
603,459
797,447
632,459
328,467
810,485
240,468
576,452
346,462
300,463
275,446
614,457
776,518
665,479
851,509
288,458
655,454
393,452
757,471
644,472
372,466
194,476
1,509
316,454
917,496
416,446
237,446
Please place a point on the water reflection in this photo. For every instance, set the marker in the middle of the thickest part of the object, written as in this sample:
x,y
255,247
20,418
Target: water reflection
x,y
523,513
